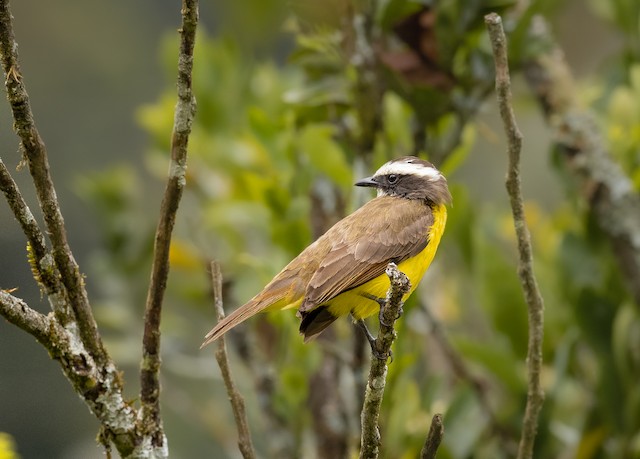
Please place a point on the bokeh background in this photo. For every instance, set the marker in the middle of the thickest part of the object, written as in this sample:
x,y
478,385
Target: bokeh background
x,y
269,170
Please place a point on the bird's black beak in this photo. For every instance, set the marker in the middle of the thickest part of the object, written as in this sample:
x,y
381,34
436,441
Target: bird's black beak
x,y
369,181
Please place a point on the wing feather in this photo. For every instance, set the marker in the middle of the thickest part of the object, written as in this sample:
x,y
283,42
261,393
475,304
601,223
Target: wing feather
x,y
383,230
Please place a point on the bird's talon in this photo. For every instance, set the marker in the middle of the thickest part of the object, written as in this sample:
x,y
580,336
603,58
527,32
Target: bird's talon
x,y
372,343
381,356
381,318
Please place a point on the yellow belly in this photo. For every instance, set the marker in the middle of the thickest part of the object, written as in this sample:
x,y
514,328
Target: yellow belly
x,y
353,301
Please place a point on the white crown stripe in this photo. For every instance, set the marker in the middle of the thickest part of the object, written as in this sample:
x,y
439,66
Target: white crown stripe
x,y
408,169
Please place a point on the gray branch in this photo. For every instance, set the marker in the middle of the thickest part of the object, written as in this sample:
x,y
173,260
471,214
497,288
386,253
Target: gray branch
x,y
70,334
99,386
35,155
41,260
17,312
183,118
245,443
533,298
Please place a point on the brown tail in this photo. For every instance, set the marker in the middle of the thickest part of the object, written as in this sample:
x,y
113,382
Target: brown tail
x,y
288,284
235,318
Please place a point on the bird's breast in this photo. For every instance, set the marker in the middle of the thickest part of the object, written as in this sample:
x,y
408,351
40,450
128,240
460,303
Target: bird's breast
x,y
355,301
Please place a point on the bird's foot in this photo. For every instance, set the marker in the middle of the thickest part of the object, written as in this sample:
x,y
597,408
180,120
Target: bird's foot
x,y
383,302
372,342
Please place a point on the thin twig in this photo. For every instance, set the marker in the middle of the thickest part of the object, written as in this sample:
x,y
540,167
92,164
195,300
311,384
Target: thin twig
x,y
22,213
35,154
431,444
533,297
183,118
245,443
17,312
41,260
370,438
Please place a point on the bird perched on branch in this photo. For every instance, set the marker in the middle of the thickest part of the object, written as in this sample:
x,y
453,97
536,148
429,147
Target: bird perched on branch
x,y
343,272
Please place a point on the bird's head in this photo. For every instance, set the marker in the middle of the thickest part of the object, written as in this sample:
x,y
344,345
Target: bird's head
x,y
411,178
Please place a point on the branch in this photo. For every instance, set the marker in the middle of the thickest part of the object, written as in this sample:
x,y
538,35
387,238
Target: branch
x,y
22,212
370,438
610,194
99,387
35,154
42,264
17,312
183,118
533,298
237,402
431,444
83,358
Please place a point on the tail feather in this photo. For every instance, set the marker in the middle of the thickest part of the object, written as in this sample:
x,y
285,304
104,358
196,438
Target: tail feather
x,y
235,318
284,291
314,322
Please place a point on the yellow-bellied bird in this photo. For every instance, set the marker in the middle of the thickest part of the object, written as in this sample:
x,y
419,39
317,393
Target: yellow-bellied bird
x,y
343,272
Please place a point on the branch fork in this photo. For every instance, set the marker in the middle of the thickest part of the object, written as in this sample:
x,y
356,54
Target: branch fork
x,y
70,333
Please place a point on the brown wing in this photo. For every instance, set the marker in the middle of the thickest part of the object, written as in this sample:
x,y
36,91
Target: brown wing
x,y
383,230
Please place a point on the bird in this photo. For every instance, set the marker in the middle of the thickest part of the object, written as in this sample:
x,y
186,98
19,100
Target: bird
x,y
343,272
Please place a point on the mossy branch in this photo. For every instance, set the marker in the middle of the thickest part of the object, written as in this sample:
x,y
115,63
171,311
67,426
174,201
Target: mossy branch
x,y
99,386
370,437
40,258
35,155
71,335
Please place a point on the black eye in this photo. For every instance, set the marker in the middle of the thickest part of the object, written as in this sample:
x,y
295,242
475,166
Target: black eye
x,y
392,178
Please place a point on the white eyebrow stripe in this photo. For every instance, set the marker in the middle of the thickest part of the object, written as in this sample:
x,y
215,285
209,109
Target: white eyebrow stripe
x,y
408,169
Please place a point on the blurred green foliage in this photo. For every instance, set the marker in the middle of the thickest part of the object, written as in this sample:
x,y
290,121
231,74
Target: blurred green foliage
x,y
274,150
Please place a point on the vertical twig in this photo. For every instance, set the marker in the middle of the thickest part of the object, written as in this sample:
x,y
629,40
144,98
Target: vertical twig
x,y
183,118
370,438
237,402
35,154
432,442
533,298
